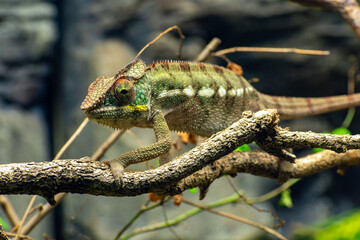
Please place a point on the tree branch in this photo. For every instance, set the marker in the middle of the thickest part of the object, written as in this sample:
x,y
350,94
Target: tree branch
x,y
92,177
349,10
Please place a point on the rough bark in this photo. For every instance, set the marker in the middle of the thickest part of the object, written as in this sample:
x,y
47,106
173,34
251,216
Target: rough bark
x,y
194,168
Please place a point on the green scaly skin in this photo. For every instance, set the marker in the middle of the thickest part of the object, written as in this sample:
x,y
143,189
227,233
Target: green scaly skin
x,y
197,98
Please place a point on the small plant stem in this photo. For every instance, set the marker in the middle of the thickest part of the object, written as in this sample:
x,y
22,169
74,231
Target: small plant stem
x,y
45,210
9,210
274,192
71,139
206,52
237,218
351,89
227,200
47,207
178,54
106,145
24,217
143,209
269,50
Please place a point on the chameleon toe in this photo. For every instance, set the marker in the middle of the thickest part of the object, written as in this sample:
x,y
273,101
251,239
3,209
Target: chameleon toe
x,y
117,170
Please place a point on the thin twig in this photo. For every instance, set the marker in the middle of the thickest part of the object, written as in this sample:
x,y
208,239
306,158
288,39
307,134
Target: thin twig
x,y
73,218
167,221
273,193
351,89
220,202
106,145
45,210
137,139
181,35
237,218
10,234
35,208
3,235
142,210
9,210
269,50
210,47
24,217
246,201
71,139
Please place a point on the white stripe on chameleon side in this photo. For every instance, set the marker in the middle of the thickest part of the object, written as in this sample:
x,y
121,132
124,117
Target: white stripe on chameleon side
x,y
232,92
206,92
189,91
239,92
169,93
249,89
221,91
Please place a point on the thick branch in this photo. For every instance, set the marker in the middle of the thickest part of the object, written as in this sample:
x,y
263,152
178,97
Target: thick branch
x,y
266,165
91,177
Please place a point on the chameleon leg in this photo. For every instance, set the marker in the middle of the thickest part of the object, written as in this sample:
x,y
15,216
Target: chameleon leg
x,y
144,153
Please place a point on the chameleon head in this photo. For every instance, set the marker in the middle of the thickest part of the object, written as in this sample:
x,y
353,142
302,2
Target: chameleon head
x,y
120,101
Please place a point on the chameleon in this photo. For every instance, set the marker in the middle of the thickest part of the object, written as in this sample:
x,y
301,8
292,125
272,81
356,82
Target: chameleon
x,y
198,98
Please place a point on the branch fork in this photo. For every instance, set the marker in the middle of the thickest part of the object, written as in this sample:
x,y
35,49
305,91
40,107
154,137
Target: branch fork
x,y
198,167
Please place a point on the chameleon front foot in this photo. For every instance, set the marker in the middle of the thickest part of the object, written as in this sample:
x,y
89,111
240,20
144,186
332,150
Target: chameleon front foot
x,y
117,170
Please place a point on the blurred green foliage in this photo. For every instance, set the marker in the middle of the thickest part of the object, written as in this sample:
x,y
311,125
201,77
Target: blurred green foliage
x,y
285,199
4,224
345,226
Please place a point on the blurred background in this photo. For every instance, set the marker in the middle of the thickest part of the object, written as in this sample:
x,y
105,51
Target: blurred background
x,y
50,51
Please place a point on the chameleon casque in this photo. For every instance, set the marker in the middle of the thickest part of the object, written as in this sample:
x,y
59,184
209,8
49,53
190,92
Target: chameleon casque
x,y
197,98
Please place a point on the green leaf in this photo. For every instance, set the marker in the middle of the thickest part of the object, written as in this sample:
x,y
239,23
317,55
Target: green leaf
x,y
243,148
316,150
193,190
341,131
285,199
4,224
157,163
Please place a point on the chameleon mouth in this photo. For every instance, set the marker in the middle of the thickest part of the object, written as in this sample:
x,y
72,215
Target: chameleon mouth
x,y
115,111
120,117
103,109
103,112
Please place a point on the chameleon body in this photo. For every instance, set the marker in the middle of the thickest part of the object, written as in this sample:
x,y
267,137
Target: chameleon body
x,y
197,98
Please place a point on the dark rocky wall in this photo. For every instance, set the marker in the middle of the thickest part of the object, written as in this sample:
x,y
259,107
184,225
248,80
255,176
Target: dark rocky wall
x,y
99,37
27,37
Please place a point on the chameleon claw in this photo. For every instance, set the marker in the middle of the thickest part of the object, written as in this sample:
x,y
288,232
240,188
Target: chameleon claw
x,y
117,170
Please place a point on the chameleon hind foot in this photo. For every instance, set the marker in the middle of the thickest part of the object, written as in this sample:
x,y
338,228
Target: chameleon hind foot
x,y
117,170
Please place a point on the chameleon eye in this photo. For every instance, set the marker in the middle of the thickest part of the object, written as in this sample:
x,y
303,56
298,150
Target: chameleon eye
x,y
124,91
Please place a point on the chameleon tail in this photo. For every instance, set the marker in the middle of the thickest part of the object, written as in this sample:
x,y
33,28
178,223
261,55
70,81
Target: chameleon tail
x,y
296,107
